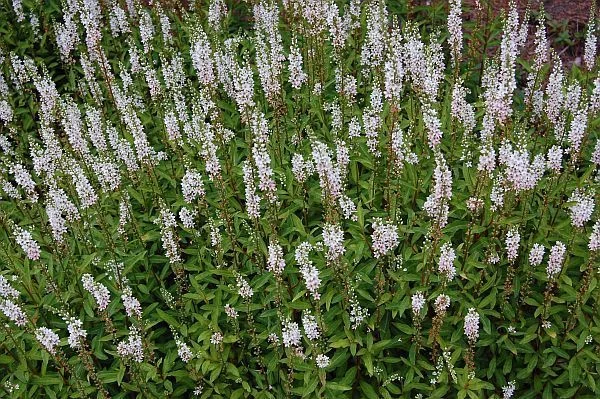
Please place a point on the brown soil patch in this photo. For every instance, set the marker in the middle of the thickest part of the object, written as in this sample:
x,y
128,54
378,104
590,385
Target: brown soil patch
x,y
566,22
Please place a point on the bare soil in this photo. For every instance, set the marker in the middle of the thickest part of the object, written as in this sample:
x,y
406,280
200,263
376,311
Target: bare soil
x,y
565,26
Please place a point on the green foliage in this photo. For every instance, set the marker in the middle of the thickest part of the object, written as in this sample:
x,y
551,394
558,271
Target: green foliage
x,y
199,330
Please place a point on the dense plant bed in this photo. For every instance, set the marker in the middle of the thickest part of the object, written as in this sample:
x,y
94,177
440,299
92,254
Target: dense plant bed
x,y
297,199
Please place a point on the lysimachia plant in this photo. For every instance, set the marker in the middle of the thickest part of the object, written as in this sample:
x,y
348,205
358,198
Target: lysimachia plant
x,y
313,199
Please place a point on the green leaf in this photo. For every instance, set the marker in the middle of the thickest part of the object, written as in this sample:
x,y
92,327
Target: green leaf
x,y
166,317
368,390
334,386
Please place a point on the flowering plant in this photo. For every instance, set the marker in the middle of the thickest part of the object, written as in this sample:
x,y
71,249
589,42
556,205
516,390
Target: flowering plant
x,y
317,198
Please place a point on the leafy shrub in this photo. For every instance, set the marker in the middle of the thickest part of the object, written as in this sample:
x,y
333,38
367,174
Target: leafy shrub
x,y
297,199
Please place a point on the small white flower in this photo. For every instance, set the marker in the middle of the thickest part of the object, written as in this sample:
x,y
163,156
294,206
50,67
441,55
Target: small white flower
x,y
291,334
385,237
583,207
216,338
275,261
230,311
472,325
512,243
131,304
557,257
273,339
184,351
418,302
198,390
322,361
76,332
509,390
244,289
48,339
27,243
311,328
536,255
546,324
446,262
333,238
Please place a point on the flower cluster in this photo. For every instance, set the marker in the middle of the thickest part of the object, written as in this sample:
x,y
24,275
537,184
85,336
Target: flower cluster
x,y
183,350
385,237
133,308
329,174
333,238
322,361
187,217
508,390
132,347
230,311
589,55
536,255
446,263
297,75
472,325
357,313
244,289
275,261
417,303
512,243
8,307
48,339
167,224
6,290
582,208
13,311
520,173
311,328
555,262
27,243
291,334
455,29
301,168
98,290
76,332
216,338
436,204
441,304
594,242
310,274
192,186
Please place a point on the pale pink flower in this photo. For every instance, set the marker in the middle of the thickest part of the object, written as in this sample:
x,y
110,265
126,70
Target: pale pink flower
x,y
385,237
472,325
